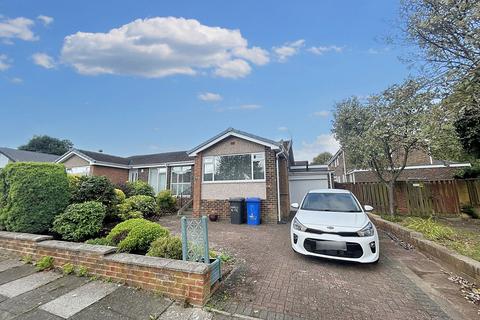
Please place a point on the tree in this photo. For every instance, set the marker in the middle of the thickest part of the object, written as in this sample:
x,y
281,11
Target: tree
x,y
446,32
47,144
381,133
322,158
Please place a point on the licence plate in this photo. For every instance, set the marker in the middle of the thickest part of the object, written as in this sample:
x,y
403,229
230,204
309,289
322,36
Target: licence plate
x,y
331,245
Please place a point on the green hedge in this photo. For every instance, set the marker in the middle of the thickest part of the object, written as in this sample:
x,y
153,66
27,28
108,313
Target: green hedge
x,y
139,188
144,204
94,188
31,195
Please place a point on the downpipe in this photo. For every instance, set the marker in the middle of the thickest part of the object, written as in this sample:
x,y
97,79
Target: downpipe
x,y
279,211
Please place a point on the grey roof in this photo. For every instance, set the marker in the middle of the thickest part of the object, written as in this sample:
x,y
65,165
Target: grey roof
x,y
166,157
232,130
16,155
103,157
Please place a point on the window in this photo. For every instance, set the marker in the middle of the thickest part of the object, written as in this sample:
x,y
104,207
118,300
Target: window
x,y
82,171
133,175
241,167
180,183
157,178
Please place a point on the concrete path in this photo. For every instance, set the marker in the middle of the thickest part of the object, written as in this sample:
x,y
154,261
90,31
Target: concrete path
x,y
27,294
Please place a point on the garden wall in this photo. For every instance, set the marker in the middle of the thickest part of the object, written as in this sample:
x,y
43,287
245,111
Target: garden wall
x,y
176,279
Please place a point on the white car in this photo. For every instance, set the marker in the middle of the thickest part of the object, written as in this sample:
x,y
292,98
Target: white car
x,y
332,224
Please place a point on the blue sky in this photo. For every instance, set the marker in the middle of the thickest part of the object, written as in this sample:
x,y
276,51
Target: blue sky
x,y
89,71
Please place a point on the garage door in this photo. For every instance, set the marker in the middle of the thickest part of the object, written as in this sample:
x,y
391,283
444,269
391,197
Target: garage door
x,y
299,186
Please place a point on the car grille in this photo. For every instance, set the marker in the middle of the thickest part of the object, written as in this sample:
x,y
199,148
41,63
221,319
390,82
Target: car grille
x,y
342,234
354,250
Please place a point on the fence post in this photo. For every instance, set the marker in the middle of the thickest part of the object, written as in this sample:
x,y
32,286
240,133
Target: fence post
x,y
205,238
184,238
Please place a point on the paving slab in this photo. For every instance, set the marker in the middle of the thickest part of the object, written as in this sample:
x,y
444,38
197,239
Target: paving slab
x,y
32,299
9,264
28,283
177,312
75,301
16,273
38,314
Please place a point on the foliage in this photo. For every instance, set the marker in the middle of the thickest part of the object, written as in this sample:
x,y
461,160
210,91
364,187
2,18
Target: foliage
x,y
32,194
130,215
68,268
322,158
223,256
468,128
47,144
45,263
471,211
98,241
166,247
73,183
136,235
81,271
80,221
27,259
165,201
381,133
144,204
95,188
120,196
470,172
431,229
139,188
446,32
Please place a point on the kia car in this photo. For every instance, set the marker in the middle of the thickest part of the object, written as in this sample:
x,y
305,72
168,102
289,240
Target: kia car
x,y
331,223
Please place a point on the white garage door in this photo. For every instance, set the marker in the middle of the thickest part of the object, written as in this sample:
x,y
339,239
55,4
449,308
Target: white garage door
x,y
299,186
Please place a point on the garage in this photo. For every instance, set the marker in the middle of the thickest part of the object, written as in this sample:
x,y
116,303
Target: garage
x,y
304,178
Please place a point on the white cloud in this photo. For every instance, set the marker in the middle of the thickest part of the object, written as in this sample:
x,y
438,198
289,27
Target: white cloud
x,y
322,113
4,62
209,96
288,49
324,49
17,28
378,50
243,107
16,80
162,46
43,60
46,20
282,129
309,150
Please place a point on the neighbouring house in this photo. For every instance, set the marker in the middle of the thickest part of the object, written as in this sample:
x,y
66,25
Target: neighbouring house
x,y
8,155
231,164
420,166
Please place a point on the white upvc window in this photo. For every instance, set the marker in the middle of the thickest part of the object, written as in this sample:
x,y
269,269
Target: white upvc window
x,y
133,175
157,178
81,171
181,181
237,167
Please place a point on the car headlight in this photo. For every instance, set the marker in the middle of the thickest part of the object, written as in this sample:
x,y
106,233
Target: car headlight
x,y
298,226
366,231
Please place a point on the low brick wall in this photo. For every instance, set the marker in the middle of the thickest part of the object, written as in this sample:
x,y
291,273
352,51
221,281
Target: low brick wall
x,y
180,280
461,264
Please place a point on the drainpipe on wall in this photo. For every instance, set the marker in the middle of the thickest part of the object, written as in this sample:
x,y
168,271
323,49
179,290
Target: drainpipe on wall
x,y
277,156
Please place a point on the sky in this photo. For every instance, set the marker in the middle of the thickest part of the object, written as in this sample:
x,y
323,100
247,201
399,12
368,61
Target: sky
x,y
139,77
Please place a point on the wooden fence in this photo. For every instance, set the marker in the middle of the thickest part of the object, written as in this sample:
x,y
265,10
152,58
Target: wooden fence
x,y
443,197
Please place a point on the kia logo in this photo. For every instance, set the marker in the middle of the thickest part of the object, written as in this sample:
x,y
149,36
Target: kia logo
x,y
330,227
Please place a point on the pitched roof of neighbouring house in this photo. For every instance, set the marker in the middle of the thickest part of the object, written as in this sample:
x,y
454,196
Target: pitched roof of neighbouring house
x,y
16,155
103,157
166,157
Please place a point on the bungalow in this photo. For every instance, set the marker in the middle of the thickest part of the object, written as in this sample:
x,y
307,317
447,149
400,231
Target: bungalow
x,y
231,164
8,155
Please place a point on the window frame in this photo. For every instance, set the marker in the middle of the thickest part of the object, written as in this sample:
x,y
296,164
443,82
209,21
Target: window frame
x,y
189,168
252,180
159,171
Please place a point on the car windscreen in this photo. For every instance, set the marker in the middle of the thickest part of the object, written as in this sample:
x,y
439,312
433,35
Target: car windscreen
x,y
340,202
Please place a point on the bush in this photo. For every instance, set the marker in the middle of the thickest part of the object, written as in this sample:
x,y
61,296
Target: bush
x,y
431,229
130,215
45,263
166,247
80,221
68,268
144,204
139,188
120,196
471,211
99,241
32,194
73,182
95,188
136,235
165,201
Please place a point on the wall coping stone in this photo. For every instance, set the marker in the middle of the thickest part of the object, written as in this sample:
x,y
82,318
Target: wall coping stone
x,y
156,262
24,236
75,246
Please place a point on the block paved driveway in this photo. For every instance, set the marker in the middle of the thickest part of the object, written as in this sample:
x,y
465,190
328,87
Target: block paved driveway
x,y
273,282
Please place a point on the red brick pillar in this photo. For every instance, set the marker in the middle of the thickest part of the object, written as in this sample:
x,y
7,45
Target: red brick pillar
x,y
269,206
197,185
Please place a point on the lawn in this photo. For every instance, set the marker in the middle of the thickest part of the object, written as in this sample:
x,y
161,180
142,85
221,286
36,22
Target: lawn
x,y
460,235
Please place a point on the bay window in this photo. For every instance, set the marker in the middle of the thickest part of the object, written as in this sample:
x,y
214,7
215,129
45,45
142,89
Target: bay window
x,y
239,167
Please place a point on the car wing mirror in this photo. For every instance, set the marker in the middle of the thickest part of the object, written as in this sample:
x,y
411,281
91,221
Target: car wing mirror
x,y
295,205
368,208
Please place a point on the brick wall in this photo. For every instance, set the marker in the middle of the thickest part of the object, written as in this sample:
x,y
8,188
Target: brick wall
x,y
176,279
116,175
197,186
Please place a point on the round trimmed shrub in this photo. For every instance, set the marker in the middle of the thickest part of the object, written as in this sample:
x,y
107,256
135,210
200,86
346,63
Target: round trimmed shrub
x,y
136,235
119,195
144,204
130,215
31,195
80,221
166,247
95,188
139,188
166,202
